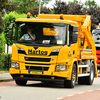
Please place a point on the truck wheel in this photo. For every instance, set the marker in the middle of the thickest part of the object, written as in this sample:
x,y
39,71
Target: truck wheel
x,y
81,80
90,78
71,83
21,82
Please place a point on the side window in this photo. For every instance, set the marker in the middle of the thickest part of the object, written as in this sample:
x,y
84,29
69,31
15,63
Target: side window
x,y
70,34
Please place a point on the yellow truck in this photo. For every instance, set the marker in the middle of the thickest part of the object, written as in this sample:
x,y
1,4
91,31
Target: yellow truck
x,y
59,48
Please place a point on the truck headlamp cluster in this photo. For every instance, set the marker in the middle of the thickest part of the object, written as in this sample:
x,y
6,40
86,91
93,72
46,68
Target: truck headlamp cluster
x,y
21,50
60,67
57,50
54,52
15,65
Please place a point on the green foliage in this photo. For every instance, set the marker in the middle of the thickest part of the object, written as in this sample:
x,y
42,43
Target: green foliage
x,y
76,8
3,4
45,1
74,2
2,43
90,3
22,6
60,7
10,7
52,11
8,19
4,61
34,11
1,23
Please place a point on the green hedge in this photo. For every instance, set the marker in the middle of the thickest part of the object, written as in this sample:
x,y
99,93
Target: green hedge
x,y
4,64
8,19
2,43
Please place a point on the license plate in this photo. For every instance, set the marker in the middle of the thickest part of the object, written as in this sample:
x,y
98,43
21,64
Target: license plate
x,y
35,72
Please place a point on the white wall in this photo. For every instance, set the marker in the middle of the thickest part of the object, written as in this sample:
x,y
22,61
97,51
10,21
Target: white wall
x,y
9,49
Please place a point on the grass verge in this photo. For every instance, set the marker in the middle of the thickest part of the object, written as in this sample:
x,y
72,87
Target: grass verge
x,y
3,71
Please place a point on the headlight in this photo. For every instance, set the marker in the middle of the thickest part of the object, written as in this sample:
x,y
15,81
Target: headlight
x,y
54,52
15,65
20,48
57,50
60,67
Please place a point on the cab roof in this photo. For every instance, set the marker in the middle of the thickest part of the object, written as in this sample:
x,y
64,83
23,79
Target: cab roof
x,y
44,20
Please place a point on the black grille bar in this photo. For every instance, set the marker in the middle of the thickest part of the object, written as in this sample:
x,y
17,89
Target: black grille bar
x,y
37,59
37,68
37,63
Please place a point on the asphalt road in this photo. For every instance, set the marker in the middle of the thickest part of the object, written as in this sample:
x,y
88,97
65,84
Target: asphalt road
x,y
49,91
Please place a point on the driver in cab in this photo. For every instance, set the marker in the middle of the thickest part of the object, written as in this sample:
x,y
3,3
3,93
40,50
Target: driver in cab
x,y
28,36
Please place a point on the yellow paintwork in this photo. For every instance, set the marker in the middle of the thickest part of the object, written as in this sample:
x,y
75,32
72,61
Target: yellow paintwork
x,y
45,21
66,56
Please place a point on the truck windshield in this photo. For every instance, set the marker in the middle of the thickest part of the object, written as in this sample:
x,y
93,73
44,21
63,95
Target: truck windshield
x,y
40,33
96,36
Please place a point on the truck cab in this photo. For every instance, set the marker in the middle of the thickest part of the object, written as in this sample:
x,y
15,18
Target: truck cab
x,y
96,36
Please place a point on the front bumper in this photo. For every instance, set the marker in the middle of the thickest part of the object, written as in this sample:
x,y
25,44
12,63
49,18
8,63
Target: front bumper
x,y
45,76
37,78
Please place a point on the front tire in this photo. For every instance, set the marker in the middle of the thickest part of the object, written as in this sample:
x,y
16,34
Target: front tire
x,y
71,83
21,82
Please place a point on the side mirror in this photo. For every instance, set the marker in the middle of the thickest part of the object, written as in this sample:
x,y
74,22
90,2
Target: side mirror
x,y
75,29
11,26
10,34
10,31
74,37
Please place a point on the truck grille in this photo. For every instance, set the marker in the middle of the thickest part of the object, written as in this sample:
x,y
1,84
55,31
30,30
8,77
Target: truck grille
x,y
37,63
37,59
37,68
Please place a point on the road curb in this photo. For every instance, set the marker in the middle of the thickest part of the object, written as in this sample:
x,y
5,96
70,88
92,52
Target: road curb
x,y
6,80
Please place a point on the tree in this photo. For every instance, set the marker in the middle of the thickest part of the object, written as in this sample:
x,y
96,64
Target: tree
x,y
90,3
60,7
22,6
10,7
74,2
34,11
3,4
75,10
1,23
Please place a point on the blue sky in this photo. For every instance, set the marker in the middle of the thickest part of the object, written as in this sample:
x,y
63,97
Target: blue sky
x,y
83,1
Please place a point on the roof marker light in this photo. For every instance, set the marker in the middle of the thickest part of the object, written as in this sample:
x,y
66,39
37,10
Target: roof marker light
x,y
28,15
61,17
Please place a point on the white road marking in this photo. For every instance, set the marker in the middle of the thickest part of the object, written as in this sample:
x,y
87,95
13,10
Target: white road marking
x,y
98,89
90,90
81,93
71,95
60,98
